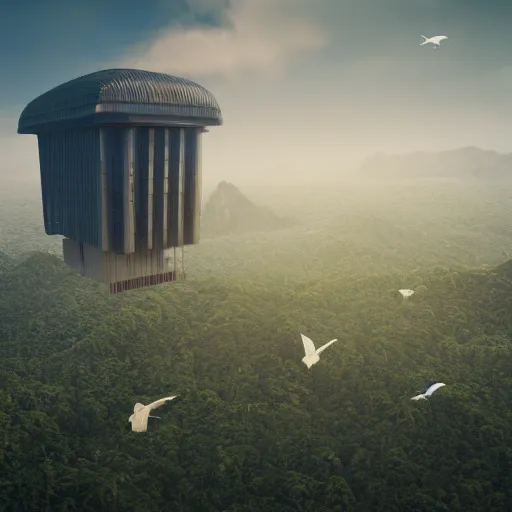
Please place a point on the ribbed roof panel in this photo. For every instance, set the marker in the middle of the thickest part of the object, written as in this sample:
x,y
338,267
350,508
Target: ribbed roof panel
x,y
128,91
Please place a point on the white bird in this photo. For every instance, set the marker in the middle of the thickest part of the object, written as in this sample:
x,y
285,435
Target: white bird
x,y
436,41
312,355
430,390
406,293
139,418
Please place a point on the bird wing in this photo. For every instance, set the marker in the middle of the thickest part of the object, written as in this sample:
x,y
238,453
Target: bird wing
x,y
160,402
433,388
140,420
138,407
309,346
417,397
323,347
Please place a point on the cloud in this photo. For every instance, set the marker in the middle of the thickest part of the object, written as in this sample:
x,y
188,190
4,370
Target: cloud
x,y
257,41
259,36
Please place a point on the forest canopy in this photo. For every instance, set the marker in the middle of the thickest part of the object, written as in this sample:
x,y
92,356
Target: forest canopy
x,y
252,429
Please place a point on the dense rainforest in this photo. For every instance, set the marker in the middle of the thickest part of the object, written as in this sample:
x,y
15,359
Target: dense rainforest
x,y
252,428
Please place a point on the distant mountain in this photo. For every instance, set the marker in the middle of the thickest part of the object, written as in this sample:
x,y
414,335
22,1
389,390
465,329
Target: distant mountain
x,y
505,269
469,162
228,211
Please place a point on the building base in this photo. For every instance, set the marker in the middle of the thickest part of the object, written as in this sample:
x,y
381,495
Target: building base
x,y
122,272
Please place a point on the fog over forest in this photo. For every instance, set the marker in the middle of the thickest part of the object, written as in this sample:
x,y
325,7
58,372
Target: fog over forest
x,y
356,187
252,428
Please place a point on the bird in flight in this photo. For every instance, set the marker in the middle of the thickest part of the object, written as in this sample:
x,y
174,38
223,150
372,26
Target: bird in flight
x,y
406,293
139,418
428,392
436,41
312,354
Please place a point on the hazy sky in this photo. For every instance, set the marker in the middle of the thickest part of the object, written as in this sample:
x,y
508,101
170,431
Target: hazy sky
x,y
304,85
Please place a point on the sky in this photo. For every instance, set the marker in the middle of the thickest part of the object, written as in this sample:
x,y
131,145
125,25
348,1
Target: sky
x,y
306,87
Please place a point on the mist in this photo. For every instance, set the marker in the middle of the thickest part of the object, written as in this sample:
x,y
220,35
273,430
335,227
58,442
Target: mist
x,y
357,164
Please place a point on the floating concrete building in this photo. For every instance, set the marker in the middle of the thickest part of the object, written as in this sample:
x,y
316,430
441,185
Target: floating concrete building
x,y
120,159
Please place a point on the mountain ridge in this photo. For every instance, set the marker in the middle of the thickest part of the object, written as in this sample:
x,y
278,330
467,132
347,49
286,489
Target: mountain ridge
x,y
229,211
467,162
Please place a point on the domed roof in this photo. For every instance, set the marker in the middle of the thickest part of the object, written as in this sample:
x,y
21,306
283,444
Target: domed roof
x,y
126,96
